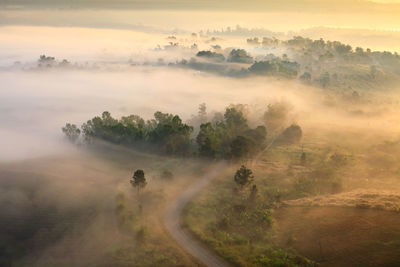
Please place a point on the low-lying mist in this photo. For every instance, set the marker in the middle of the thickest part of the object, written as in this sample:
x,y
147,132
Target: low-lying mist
x,y
36,104
79,209
74,202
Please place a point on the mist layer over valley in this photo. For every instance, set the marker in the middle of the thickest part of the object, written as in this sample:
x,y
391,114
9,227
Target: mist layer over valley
x,y
305,122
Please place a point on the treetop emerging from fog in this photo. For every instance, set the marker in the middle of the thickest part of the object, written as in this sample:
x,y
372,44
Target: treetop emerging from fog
x,y
225,137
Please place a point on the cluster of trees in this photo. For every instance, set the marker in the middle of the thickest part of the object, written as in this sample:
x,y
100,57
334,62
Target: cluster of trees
x,y
271,65
211,55
230,137
211,65
276,115
235,56
242,31
275,67
266,41
320,61
48,62
166,131
227,136
240,56
321,54
71,131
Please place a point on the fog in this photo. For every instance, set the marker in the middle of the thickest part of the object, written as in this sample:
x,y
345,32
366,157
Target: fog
x,y
74,201
36,103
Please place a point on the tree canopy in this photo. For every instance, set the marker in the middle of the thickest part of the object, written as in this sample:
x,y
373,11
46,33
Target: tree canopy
x,y
243,177
226,136
240,56
211,55
166,131
138,180
231,137
71,131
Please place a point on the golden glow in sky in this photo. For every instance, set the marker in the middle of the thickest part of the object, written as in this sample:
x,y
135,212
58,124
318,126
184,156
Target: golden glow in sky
x,y
386,1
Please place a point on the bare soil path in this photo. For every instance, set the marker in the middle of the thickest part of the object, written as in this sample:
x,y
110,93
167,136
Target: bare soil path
x,y
172,220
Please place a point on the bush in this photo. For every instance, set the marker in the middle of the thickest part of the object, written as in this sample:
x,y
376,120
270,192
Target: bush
x,y
291,135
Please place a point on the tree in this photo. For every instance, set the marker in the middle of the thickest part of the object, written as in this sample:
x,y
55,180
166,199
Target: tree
x,y
211,55
170,133
263,68
202,114
243,177
325,79
239,56
46,61
240,147
138,180
235,120
290,135
257,137
71,131
201,117
276,115
342,48
303,159
253,41
306,77
253,193
208,140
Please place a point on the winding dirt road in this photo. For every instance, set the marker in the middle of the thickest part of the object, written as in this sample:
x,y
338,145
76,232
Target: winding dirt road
x,y
172,220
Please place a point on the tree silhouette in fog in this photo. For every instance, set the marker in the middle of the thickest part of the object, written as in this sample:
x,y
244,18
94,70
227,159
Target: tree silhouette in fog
x,y
243,177
138,180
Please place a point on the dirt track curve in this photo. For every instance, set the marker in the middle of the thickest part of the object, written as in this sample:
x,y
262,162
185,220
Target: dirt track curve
x,y
172,220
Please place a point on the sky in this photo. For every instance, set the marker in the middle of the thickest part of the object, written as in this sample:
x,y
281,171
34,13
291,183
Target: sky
x,y
194,15
255,5
386,1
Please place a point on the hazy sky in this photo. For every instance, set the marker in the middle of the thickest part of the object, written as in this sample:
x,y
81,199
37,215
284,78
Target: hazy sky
x,y
194,15
257,5
386,1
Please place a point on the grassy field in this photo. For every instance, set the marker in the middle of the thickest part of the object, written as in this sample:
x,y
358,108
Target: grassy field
x,y
335,236
237,228
80,210
261,230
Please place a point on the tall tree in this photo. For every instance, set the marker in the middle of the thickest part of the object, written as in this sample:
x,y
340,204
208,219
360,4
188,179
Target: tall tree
x,y
202,113
71,131
138,180
243,177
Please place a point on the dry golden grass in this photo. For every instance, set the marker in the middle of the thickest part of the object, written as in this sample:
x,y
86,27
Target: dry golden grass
x,y
373,199
337,236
